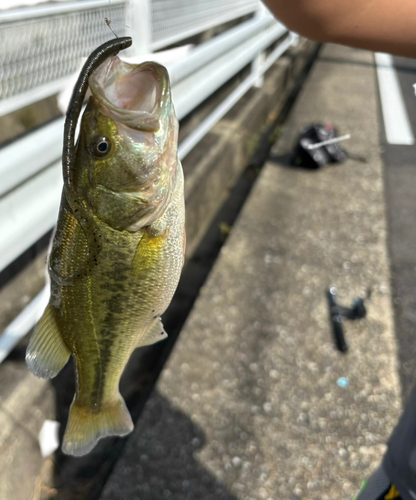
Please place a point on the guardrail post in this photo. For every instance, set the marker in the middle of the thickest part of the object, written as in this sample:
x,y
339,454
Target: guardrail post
x,y
139,26
261,56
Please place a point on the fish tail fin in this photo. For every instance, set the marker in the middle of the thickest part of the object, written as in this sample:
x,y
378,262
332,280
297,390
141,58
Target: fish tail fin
x,y
86,425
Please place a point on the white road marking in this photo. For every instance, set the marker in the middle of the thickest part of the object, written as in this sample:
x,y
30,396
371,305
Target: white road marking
x,y
396,120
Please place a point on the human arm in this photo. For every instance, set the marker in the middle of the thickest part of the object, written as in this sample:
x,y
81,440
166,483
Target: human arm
x,y
379,25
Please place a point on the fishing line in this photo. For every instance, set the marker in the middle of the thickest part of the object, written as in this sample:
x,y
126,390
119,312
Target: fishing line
x,y
108,23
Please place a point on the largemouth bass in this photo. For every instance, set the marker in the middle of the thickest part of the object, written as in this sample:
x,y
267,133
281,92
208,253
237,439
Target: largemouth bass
x,y
118,248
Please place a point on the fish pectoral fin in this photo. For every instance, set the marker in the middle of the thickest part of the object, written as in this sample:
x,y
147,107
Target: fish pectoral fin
x,y
46,353
148,252
154,334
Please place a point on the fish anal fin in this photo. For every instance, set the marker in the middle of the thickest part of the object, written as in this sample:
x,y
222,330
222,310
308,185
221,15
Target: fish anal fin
x,y
155,333
46,353
87,425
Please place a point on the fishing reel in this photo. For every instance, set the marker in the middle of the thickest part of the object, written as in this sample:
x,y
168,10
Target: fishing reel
x,y
337,313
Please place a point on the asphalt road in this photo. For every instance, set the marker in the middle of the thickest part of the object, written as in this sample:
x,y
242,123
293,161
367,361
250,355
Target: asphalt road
x,y
400,188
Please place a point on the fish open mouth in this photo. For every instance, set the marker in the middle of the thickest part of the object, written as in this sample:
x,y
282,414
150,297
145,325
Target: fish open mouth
x,y
132,94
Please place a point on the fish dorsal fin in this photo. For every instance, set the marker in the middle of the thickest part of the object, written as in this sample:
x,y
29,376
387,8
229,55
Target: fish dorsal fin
x,y
46,353
154,334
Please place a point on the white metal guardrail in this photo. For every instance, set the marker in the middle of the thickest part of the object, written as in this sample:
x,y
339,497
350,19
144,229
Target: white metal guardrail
x,y
27,156
190,92
40,46
173,21
215,116
30,168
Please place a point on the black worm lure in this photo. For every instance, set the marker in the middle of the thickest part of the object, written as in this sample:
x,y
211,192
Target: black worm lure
x,y
70,196
97,57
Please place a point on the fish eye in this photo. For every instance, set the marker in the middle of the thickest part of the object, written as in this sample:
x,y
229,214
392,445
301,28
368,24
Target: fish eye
x,y
101,146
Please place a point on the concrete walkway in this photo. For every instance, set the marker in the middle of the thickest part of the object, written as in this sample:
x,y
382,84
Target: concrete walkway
x,y
248,406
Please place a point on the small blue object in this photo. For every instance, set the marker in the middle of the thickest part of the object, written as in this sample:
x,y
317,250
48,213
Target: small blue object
x,y
343,382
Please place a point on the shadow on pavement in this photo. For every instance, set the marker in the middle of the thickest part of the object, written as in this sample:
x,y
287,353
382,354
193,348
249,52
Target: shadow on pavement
x,y
160,460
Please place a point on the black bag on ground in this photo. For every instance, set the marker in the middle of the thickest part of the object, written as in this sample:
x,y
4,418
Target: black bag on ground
x,y
306,155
